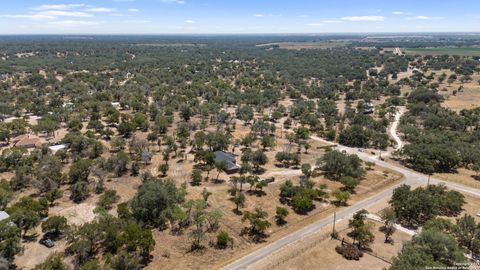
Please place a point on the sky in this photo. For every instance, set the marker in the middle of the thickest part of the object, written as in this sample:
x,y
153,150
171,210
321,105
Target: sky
x,y
237,16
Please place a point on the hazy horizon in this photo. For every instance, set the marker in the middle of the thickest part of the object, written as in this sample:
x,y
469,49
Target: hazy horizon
x,y
187,17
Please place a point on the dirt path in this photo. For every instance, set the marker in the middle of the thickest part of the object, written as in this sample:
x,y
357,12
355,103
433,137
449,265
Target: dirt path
x,y
393,129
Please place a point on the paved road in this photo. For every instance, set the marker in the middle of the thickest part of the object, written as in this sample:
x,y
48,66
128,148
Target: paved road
x,y
411,178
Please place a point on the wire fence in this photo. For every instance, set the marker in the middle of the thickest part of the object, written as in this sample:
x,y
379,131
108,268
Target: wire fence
x,y
313,242
285,258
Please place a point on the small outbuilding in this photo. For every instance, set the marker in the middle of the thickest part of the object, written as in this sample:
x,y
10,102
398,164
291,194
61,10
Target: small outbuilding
x,y
55,148
3,215
230,160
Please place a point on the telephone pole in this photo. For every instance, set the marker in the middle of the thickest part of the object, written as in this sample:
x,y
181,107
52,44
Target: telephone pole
x,y
334,220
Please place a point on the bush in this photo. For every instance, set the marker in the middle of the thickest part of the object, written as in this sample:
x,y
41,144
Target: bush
x,y
280,215
302,204
107,199
79,191
223,239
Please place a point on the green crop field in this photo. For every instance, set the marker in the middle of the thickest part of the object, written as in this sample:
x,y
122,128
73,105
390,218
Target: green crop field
x,y
462,51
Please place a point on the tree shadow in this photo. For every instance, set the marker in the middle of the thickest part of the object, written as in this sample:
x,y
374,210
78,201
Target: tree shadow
x,y
29,238
197,250
259,171
339,203
305,212
256,237
218,181
237,212
258,193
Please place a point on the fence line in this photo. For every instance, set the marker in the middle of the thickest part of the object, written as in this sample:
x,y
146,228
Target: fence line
x,y
296,252
314,241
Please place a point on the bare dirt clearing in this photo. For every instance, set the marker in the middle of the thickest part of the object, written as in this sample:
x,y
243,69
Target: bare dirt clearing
x,y
34,253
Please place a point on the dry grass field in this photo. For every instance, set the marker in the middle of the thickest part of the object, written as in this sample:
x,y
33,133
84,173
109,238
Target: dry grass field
x,y
468,98
173,252
324,256
462,51
318,251
471,207
303,45
462,176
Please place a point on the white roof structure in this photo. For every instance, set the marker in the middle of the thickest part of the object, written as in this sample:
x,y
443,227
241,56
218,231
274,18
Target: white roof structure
x,y
3,215
55,148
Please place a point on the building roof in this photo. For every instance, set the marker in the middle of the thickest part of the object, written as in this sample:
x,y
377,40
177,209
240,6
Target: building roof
x,y
55,148
232,166
30,141
221,155
19,138
3,215
229,158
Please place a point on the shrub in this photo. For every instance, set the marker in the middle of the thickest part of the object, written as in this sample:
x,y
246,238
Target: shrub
x,y
223,239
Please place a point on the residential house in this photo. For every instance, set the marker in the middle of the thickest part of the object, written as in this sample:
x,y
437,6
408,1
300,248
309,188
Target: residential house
x,y
230,160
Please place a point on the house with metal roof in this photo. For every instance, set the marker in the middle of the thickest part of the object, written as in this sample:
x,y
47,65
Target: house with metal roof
x,y
28,141
230,160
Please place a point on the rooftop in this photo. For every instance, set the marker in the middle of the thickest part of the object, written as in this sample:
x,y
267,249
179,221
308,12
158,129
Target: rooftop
x,y
3,215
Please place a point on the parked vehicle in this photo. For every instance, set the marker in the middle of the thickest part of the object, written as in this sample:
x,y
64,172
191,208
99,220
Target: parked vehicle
x,y
270,180
47,242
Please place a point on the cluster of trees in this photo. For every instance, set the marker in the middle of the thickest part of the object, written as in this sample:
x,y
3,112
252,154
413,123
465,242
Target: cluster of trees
x,y
440,140
441,243
25,215
361,233
161,204
301,197
415,207
10,241
123,242
345,168
107,91
336,165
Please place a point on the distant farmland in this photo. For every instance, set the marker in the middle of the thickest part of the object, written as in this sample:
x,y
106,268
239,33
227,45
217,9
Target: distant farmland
x,y
462,51
304,45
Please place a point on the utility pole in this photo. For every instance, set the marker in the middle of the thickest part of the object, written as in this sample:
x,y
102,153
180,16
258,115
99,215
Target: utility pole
x,y
334,220
428,181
